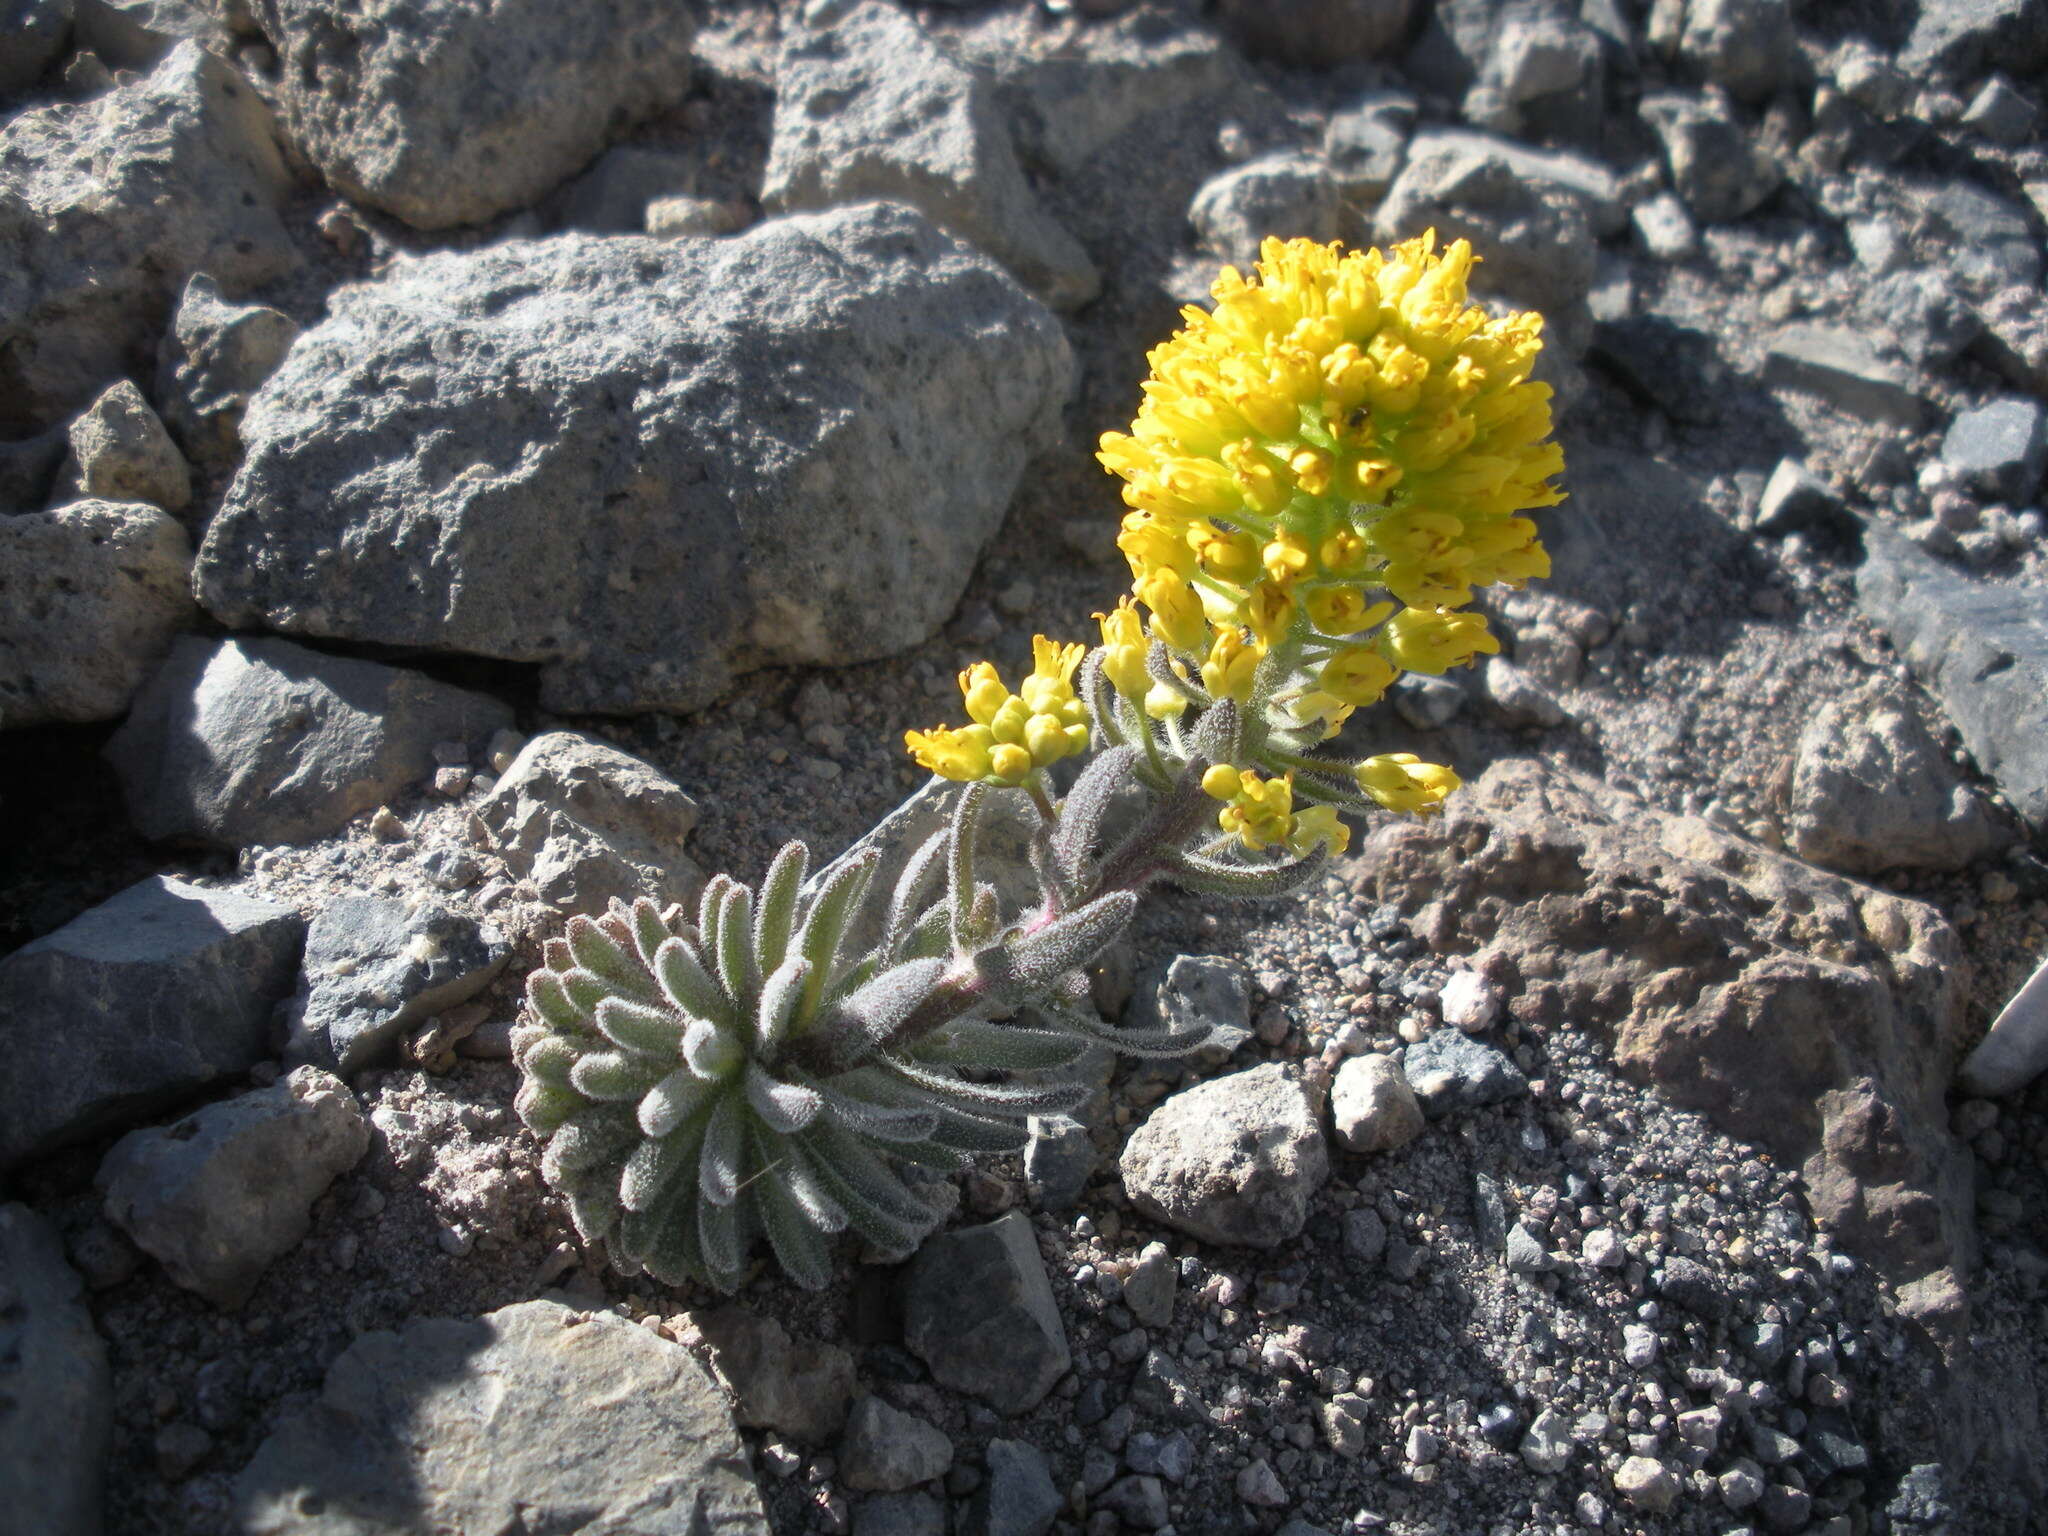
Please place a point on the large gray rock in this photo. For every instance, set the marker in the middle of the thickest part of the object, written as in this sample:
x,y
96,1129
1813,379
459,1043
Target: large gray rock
x,y
799,1388
56,1395
885,1449
1744,46
444,112
1872,790
1284,196
121,452
1587,180
1957,38
1716,167
586,822
106,206
375,968
211,360
532,1417
2000,448
1236,1160
1841,367
869,106
151,996
222,1194
979,1311
761,438
90,597
1982,650
237,742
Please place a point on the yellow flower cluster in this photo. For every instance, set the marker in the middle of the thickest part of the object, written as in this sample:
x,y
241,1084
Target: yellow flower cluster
x,y
1013,734
1339,427
1260,813
1401,781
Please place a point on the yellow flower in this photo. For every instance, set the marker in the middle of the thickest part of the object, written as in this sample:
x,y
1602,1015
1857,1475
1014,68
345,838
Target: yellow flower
x,y
1177,616
1434,640
1233,661
1124,649
1318,825
960,755
1261,813
1014,735
1400,781
1339,611
1358,677
1050,687
1220,782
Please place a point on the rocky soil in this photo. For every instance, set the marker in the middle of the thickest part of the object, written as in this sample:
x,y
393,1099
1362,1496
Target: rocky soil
x,y
458,466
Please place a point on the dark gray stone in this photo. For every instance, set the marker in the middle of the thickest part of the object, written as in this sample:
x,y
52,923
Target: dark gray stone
x,y
1745,46
2000,448
1981,650
375,969
760,433
1364,147
2001,113
28,470
1059,1160
1161,1387
1795,499
800,1388
899,1514
147,998
1170,1456
1957,38
57,1421
1690,1284
1716,167
1285,196
885,1450
1451,1071
1018,1498
1841,367
979,1311
611,197
1918,314
1991,245
1525,1252
1317,34
236,742
1201,990
214,357
1140,1502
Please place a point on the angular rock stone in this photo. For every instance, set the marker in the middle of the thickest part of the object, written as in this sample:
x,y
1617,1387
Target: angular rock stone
x,y
1200,991
801,1390
1958,37
222,1194
121,452
58,1419
586,822
1645,1483
1317,34
1991,243
1018,1497
1744,46
236,742
533,1415
978,1310
869,106
1999,448
761,436
612,197
136,34
108,205
443,113
1715,166
899,1514
1372,1107
1842,368
151,996
1582,177
1235,1160
2015,1050
36,30
1059,1160
1364,147
375,969
1795,498
211,361
1449,1071
117,572
1872,790
1665,228
2001,113
1981,650
1802,1010
1285,196
885,1449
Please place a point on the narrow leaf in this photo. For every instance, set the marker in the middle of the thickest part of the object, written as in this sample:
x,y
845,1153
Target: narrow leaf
x,y
891,997
1087,803
983,1138
610,1076
1004,1098
649,931
824,924
542,1107
1011,1047
718,1237
673,1100
1246,882
783,1107
1069,942
711,904
775,916
911,891
800,1248
586,1140
960,862
599,953
655,1166
689,986
718,1166
735,950
648,1028
879,1122
550,1061
780,994
549,1000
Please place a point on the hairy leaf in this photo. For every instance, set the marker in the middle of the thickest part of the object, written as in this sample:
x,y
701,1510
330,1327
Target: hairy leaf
x,y
825,924
912,888
1012,1047
960,862
603,956
649,931
1070,942
1087,803
780,994
673,1100
690,987
783,1107
718,1167
549,1000
649,1028
775,916
1247,882
614,1075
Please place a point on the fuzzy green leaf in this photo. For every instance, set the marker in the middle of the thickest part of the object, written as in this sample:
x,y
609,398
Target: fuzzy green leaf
x,y
783,1107
780,995
648,1028
710,904
614,1075
673,1100
800,1247
1001,1098
825,922
606,958
1087,803
718,1166
879,1122
542,1107
649,931
735,947
979,1043
550,1002
1246,882
1070,942
912,888
960,862
550,1061
718,1234
690,987
890,998
983,1138
588,1139
655,1166
775,917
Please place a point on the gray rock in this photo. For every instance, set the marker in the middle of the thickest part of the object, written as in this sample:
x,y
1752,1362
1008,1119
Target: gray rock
x,y
2000,448
1795,499
149,997
116,572
1547,1443
1371,1105
1518,700
1842,368
1918,314
979,1311
1170,1456
136,34
611,198
1428,703
1150,1286
28,470
899,1514
58,1424
36,30
1140,1502
1744,46
444,114
1450,1071
121,452
1957,38
679,217
1716,167
1365,1235
1981,650
1543,77
1285,196
1364,147
1872,791
1317,34
1198,991
586,822
532,1415
762,434
108,205
1534,238
1235,1160
1018,1498
2015,1050
376,969
2001,113
1526,1254
222,1194
1161,1387
1645,1483
871,107
885,1450
1665,228
1581,177
213,358
237,742
1059,1160
1991,245
799,1389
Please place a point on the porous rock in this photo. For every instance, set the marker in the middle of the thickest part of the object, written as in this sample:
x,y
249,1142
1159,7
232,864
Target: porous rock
x,y
242,741
1812,1014
58,1415
376,968
1283,196
979,1311
534,1415
1234,1160
760,437
109,205
1744,46
799,1389
869,106
222,1194
117,572
212,359
1371,1105
885,1449
150,996
1871,791
586,822
121,452
443,112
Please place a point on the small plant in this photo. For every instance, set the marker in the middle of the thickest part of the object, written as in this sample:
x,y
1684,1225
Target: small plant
x,y
1324,468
